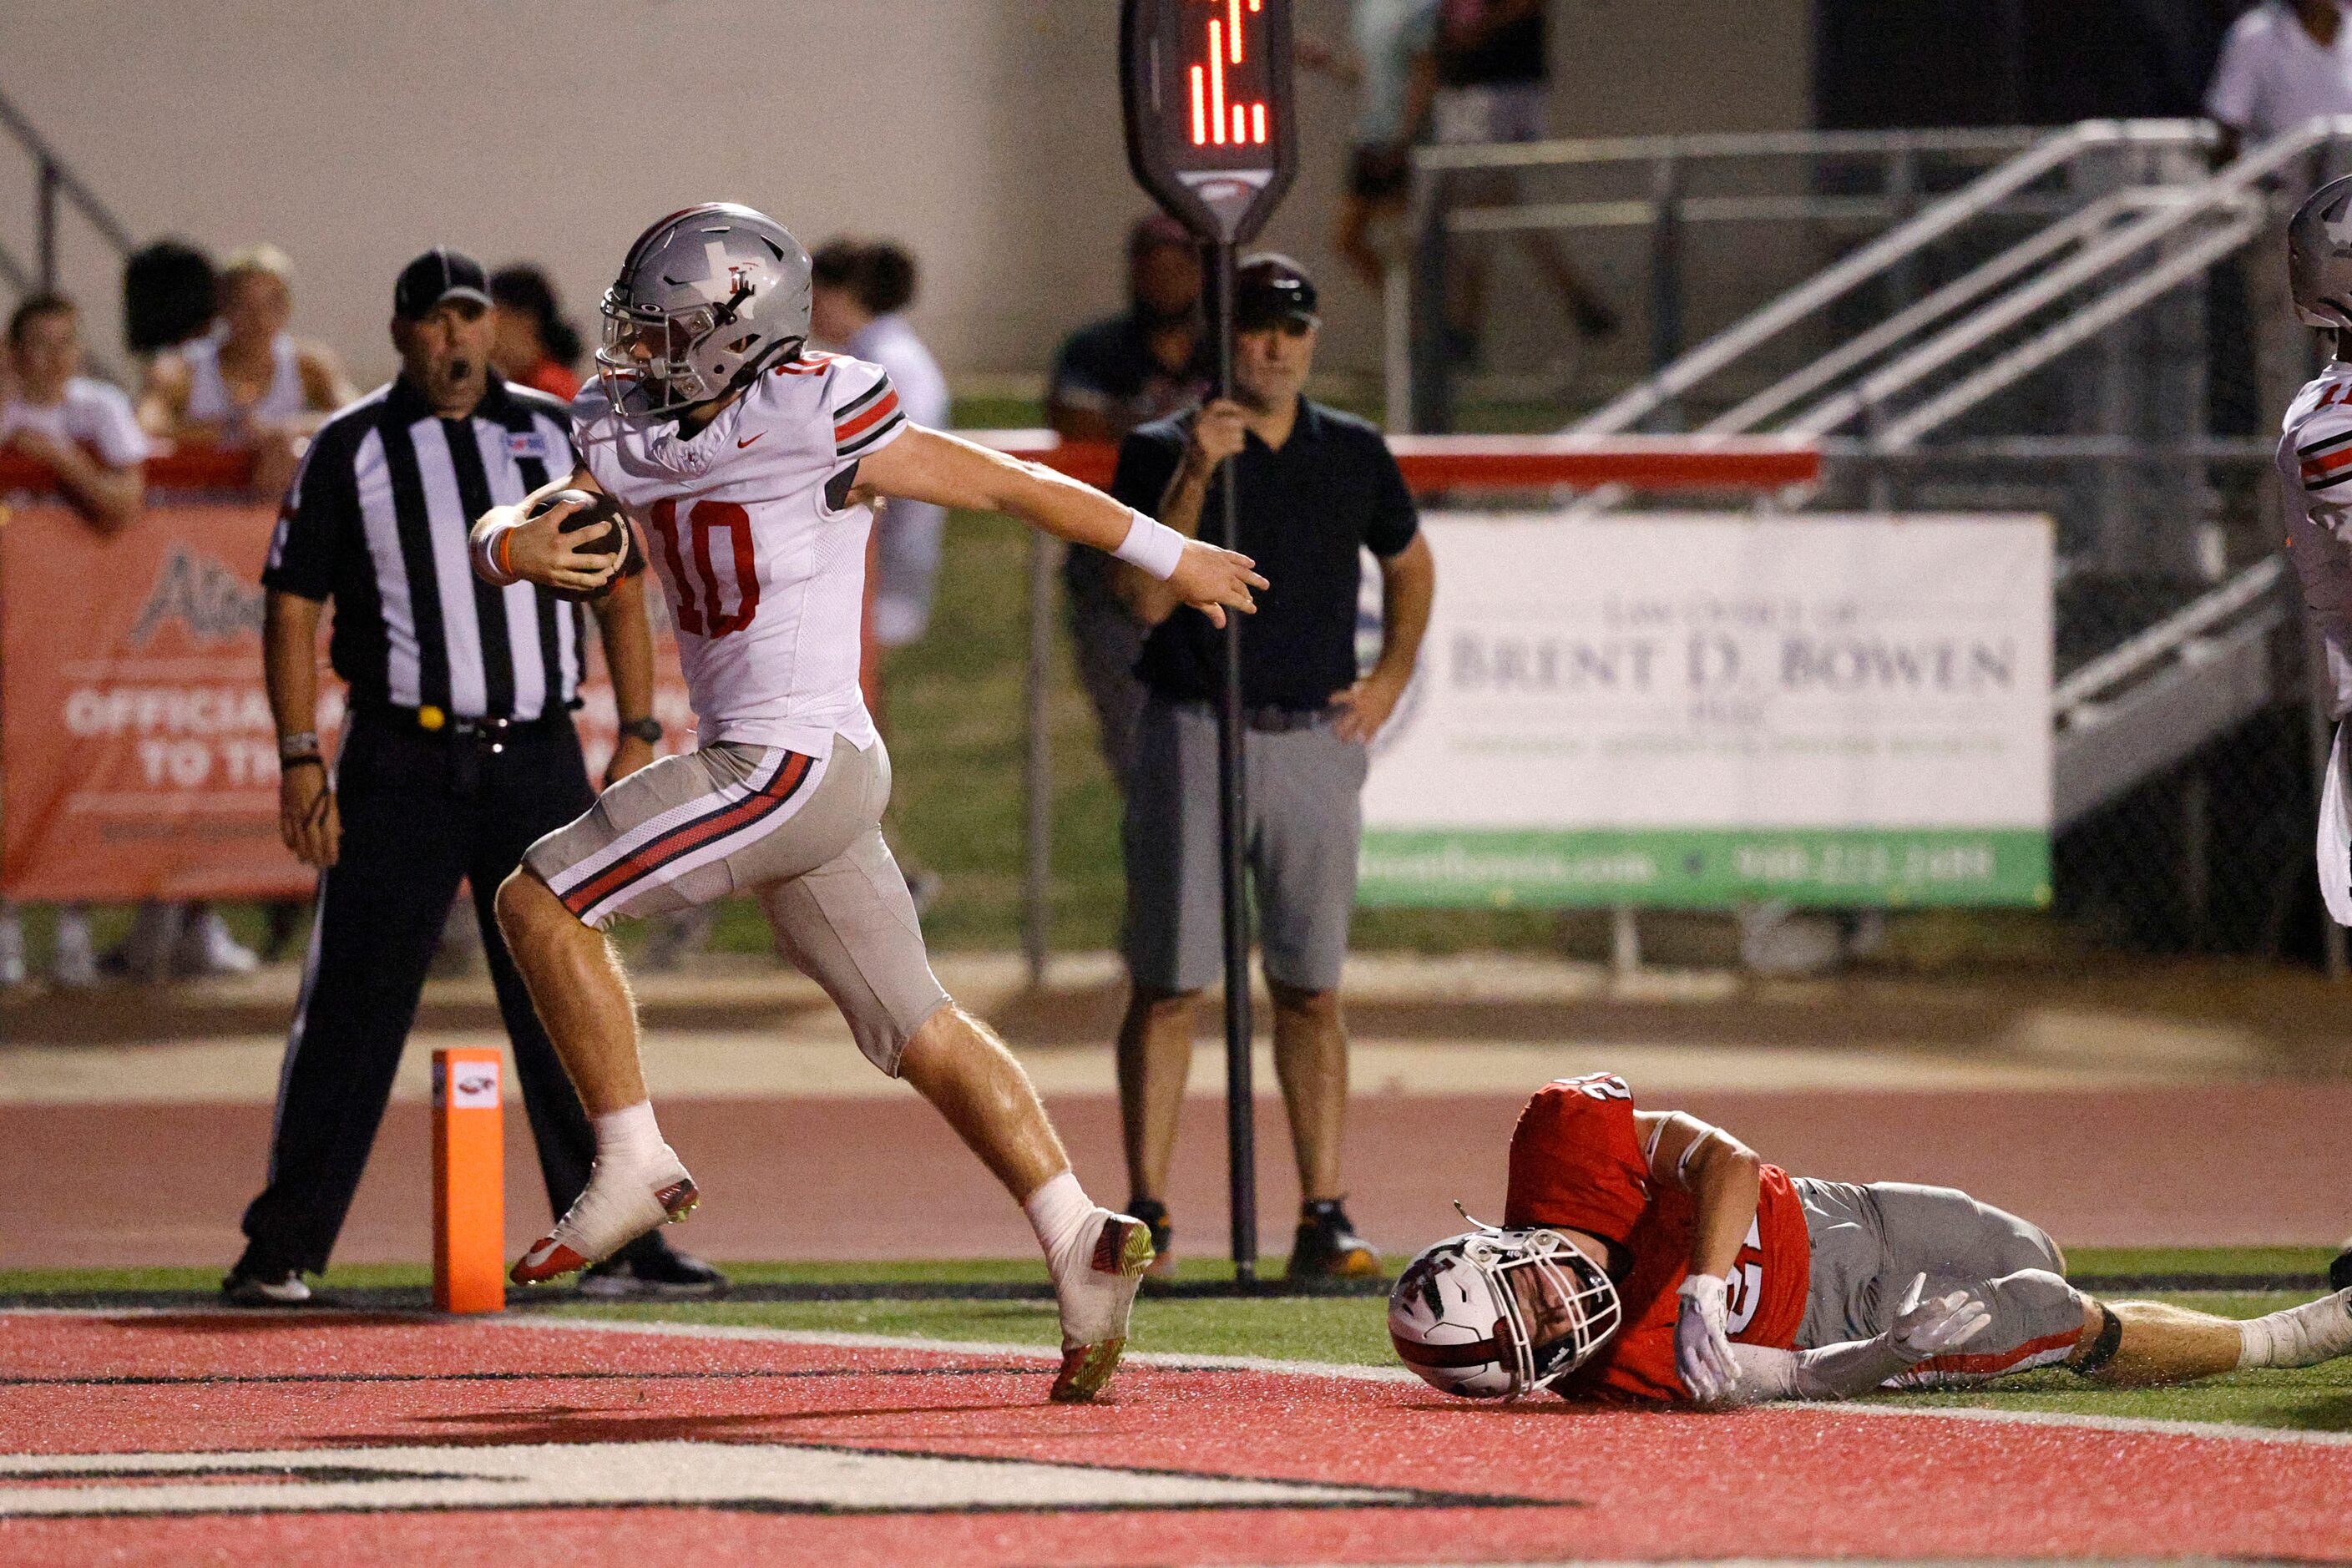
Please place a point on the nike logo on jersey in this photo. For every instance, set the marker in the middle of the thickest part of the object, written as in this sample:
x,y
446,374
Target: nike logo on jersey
x,y
740,444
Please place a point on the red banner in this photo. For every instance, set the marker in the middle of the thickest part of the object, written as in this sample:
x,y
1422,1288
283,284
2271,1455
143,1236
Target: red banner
x,y
137,757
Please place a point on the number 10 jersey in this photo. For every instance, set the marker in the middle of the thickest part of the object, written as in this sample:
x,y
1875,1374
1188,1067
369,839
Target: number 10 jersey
x,y
750,527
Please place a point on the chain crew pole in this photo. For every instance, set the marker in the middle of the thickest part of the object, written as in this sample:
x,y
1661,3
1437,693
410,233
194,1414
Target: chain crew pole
x,y
1232,820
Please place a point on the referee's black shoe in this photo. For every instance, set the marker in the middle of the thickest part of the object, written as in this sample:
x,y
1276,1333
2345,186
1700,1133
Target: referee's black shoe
x,y
1328,1248
658,1273
2339,1273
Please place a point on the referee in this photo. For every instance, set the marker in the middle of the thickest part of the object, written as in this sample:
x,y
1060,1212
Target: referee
x,y
458,753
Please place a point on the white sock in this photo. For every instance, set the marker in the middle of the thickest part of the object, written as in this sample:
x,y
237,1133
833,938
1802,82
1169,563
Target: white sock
x,y
630,1136
1058,1212
2300,1336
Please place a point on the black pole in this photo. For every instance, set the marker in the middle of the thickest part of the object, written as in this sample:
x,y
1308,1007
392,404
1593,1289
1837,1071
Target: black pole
x,y
1232,798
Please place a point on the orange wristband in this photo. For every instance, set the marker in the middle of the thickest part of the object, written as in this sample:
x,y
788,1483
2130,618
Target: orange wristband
x,y
505,552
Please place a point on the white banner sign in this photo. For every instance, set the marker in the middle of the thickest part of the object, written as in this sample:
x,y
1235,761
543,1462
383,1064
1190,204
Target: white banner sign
x,y
1698,711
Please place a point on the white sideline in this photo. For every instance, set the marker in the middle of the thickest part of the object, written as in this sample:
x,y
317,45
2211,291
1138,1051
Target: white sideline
x,y
1172,1361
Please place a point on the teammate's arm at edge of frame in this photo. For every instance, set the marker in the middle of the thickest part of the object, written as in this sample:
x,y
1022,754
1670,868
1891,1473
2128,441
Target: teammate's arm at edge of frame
x,y
931,466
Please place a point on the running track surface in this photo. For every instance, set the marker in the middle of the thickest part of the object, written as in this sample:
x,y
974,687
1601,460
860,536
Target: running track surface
x,y
883,1178
895,1454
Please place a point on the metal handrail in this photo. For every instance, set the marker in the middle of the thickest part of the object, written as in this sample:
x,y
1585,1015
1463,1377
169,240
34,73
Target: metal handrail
x,y
2229,194
1987,191
55,179
1563,152
2169,636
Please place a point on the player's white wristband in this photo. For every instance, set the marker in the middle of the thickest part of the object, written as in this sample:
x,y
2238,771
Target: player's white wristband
x,y
488,549
1152,546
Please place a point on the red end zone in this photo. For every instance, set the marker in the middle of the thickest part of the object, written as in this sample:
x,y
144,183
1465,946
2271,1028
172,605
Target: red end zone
x,y
184,1438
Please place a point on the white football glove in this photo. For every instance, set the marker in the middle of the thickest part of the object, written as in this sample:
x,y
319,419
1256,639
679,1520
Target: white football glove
x,y
1928,1328
1702,1347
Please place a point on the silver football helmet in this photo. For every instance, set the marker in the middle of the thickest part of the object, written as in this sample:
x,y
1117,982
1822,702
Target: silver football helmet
x,y
707,298
2319,256
1495,1314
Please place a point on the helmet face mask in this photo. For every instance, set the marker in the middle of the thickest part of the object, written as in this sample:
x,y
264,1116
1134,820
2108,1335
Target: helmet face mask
x,y
706,300
2319,256
1498,1314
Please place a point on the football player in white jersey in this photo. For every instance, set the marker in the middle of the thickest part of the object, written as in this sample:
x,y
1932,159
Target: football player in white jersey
x,y
753,465
2314,466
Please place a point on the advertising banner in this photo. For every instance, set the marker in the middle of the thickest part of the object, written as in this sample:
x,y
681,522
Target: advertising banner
x,y
1697,712
137,757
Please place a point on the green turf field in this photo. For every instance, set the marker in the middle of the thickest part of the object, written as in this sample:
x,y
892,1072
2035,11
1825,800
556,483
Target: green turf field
x,y
1350,1329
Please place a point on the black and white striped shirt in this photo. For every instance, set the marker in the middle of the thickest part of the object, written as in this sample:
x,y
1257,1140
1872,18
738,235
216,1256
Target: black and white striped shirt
x,y
376,521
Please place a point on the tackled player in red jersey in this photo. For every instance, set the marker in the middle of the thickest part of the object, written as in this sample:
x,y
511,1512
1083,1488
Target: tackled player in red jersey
x,y
1648,1256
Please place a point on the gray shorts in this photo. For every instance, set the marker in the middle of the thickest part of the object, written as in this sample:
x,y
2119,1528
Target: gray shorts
x,y
1306,825
1504,112
1870,1242
805,836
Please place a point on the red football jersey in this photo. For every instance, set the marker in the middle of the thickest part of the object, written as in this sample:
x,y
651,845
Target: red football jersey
x,y
1577,1164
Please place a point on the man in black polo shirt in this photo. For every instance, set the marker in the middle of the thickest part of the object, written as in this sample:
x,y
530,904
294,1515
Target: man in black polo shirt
x,y
1316,488
458,755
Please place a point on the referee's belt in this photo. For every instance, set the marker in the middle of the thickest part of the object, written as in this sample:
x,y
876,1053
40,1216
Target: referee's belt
x,y
442,724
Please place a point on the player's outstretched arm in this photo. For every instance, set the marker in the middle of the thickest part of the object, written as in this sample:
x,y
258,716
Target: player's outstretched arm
x,y
505,549
931,466
1923,1327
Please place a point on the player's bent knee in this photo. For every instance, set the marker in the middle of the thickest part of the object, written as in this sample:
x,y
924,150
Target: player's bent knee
x,y
526,905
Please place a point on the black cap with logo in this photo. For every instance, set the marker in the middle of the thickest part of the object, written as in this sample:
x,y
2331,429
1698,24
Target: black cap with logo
x,y
439,274
1269,290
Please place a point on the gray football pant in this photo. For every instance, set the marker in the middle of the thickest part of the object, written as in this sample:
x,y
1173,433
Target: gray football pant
x,y
1870,1242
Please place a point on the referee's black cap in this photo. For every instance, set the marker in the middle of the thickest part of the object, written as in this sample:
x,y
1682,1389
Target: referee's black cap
x,y
439,274
1270,288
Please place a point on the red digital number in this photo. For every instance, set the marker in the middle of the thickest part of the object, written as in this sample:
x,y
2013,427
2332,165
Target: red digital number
x,y
1216,120
699,613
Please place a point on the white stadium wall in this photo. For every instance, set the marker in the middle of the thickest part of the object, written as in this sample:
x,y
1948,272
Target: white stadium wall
x,y
981,133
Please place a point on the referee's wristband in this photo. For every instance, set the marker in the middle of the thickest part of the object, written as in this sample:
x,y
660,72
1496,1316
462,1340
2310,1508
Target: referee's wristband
x,y
488,547
1152,546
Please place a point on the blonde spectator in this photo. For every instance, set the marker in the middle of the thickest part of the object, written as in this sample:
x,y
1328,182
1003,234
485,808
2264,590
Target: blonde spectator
x,y
249,382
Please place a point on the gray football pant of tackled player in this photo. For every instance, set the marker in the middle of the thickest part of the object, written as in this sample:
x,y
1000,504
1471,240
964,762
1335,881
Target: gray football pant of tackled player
x,y
1870,1242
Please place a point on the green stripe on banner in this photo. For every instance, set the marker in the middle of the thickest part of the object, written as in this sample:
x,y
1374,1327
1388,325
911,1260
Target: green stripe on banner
x,y
1704,867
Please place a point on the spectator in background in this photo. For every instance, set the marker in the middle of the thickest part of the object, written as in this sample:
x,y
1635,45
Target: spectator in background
x,y
247,382
1142,365
2284,62
84,432
535,346
1317,487
860,289
1392,69
1494,84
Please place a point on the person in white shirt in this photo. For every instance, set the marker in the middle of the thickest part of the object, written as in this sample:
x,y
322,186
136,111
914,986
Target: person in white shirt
x,y
2284,62
82,431
858,292
752,467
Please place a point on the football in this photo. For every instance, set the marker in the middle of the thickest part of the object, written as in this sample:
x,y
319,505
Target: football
x,y
595,510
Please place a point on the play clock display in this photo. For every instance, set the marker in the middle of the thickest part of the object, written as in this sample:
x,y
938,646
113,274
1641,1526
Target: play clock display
x,y
1208,101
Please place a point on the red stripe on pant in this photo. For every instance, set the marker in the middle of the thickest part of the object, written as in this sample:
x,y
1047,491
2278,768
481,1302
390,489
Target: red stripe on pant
x,y
1998,1362
687,837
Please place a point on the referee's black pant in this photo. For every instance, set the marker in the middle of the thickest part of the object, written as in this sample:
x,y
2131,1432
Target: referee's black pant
x,y
420,811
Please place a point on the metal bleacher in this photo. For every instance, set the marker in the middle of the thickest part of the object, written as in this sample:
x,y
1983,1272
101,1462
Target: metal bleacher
x,y
2033,337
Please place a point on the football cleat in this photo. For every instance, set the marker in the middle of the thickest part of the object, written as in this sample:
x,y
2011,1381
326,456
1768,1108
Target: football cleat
x,y
613,1212
1097,1298
1328,1248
